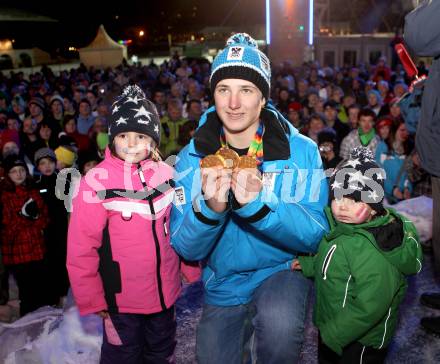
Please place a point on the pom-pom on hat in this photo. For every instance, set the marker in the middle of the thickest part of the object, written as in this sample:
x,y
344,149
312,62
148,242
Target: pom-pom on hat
x,y
243,60
359,178
132,111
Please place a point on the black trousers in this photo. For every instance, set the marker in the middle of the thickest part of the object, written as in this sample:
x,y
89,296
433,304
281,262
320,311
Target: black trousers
x,y
31,280
139,339
353,353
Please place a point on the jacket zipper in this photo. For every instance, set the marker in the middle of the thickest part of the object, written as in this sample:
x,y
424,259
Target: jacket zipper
x,y
327,260
156,240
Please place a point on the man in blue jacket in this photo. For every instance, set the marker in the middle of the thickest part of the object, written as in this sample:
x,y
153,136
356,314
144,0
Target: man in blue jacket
x,y
245,229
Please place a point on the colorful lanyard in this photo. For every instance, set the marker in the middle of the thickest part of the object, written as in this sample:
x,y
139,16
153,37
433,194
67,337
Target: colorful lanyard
x,y
256,147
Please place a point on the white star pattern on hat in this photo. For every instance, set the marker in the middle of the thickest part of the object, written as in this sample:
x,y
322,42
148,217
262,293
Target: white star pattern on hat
x,y
336,184
380,176
142,112
115,109
132,99
353,163
373,195
354,187
142,121
156,129
121,120
359,177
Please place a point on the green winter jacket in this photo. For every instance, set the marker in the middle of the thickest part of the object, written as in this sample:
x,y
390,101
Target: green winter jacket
x,y
359,285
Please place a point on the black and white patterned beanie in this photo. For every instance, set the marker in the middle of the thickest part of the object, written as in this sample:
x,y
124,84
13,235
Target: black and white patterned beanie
x,y
132,111
359,178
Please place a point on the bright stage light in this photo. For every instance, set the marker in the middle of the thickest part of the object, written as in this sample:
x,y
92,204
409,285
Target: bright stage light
x,y
267,22
311,16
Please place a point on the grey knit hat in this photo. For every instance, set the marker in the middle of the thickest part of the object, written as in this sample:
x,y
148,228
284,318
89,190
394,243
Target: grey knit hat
x,y
44,153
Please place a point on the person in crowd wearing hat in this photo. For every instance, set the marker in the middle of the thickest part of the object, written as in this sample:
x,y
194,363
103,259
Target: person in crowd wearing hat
x,y
24,217
87,159
120,262
360,268
294,115
9,142
383,128
55,233
374,101
29,139
37,108
66,153
85,119
364,135
332,121
56,107
421,33
390,155
327,141
241,224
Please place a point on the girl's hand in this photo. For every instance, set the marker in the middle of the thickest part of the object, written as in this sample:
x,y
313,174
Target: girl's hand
x,y
295,265
103,314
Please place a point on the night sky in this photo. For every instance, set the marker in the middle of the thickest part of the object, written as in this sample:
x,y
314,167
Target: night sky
x,y
79,19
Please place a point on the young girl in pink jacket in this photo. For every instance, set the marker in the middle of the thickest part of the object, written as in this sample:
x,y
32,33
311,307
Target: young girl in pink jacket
x,y
120,262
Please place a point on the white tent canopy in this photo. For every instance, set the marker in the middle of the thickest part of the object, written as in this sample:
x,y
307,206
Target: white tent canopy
x,y
103,51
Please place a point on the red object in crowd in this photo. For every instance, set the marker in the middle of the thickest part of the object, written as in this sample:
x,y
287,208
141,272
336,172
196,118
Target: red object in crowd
x,y
22,239
9,135
294,106
383,122
407,62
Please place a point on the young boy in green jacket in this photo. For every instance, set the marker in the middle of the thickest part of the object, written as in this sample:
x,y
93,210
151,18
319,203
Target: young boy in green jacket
x,y
360,267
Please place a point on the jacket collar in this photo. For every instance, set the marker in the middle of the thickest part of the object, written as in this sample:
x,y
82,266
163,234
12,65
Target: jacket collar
x,y
275,139
340,228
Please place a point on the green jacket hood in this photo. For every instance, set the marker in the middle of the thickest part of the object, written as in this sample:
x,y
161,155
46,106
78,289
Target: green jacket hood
x,y
406,257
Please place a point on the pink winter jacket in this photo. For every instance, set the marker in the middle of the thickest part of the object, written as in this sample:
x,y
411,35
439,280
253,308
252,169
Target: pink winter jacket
x,y
119,256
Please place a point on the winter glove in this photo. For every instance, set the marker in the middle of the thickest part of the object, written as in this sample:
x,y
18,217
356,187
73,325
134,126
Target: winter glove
x,y
30,210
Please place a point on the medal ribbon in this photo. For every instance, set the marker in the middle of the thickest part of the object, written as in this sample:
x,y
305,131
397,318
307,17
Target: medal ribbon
x,y
256,147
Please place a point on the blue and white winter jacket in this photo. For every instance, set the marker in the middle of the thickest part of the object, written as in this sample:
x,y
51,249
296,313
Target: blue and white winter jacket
x,y
241,247
392,163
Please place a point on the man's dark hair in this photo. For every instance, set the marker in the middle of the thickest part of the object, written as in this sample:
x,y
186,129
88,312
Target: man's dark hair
x,y
367,112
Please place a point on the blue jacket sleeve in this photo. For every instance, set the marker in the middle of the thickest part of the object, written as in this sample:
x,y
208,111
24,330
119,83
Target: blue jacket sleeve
x,y
421,32
293,223
195,228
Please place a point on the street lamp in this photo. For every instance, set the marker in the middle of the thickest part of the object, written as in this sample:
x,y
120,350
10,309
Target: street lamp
x,y
141,33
